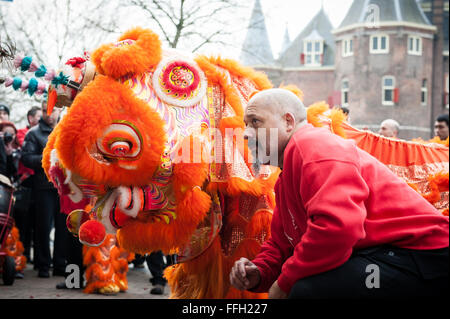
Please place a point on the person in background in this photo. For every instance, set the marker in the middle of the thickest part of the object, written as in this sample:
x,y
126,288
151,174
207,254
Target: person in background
x,y
4,113
24,210
389,128
441,127
33,117
8,135
47,201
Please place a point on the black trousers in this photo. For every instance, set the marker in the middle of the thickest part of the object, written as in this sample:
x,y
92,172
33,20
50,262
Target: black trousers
x,y
74,253
381,272
156,265
24,216
48,216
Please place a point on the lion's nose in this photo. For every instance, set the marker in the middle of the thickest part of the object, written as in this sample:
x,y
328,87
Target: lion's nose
x,y
120,148
120,140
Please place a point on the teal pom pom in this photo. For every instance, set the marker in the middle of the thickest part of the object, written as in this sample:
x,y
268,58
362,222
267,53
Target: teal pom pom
x,y
41,71
60,79
17,82
32,86
26,62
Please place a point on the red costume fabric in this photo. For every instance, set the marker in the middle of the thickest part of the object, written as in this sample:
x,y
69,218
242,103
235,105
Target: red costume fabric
x,y
333,198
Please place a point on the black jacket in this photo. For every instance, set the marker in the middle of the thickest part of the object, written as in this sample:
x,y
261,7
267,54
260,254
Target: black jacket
x,y
32,149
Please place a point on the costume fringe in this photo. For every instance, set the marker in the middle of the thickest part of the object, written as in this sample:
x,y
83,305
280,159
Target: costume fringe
x,y
106,267
294,89
14,248
337,118
314,111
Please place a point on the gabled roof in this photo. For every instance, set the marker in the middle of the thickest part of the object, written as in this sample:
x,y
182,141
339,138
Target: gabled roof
x,y
256,49
394,11
321,26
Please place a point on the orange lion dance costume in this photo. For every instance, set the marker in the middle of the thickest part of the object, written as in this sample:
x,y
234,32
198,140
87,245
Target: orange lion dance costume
x,y
151,140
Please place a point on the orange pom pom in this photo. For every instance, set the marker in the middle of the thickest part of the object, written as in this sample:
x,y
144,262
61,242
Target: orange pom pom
x,y
92,233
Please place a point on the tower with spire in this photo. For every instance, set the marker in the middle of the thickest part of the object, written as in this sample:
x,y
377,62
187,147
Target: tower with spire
x,y
256,49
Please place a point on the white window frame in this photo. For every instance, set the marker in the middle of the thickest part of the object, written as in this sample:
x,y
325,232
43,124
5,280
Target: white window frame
x,y
417,45
424,92
384,88
313,52
343,91
378,50
347,47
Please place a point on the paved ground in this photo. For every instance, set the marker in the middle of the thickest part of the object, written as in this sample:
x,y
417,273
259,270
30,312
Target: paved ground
x,y
31,286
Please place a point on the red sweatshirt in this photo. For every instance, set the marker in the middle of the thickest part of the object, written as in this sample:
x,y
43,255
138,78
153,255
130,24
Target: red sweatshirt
x,y
333,198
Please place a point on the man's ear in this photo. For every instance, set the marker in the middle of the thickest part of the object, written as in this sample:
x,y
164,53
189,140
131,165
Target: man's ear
x,y
290,121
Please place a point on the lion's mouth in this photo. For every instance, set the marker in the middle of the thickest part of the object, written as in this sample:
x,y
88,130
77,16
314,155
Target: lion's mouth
x,y
123,204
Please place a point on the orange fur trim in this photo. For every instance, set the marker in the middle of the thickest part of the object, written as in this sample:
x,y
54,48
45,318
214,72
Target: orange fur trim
x,y
337,118
219,77
441,179
137,58
259,225
46,154
97,55
260,79
294,89
99,104
142,237
438,140
414,186
200,278
313,112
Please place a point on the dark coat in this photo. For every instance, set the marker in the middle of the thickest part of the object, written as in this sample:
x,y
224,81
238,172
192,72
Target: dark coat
x,y
32,149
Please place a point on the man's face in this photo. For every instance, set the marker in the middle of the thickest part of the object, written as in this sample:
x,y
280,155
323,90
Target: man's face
x,y
387,131
4,117
260,120
51,120
441,130
34,120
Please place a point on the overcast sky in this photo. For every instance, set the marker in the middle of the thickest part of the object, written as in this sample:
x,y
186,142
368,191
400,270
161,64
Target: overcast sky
x,y
297,14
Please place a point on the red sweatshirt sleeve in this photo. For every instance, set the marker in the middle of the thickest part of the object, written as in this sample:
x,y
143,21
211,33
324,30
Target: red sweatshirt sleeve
x,y
272,255
333,193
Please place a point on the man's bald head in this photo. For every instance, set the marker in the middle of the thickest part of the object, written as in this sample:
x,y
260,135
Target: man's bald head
x,y
271,118
279,101
389,128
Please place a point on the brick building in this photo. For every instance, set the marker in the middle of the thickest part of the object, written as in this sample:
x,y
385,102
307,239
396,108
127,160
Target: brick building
x,y
387,59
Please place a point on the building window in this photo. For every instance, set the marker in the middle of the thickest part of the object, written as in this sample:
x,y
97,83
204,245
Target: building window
x,y
313,51
379,44
344,92
424,93
388,84
414,45
347,47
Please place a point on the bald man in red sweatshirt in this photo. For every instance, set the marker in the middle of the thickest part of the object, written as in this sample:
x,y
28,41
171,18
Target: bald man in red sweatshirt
x,y
344,225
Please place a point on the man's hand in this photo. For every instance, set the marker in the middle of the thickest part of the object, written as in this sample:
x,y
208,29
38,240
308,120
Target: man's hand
x,y
275,292
244,274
